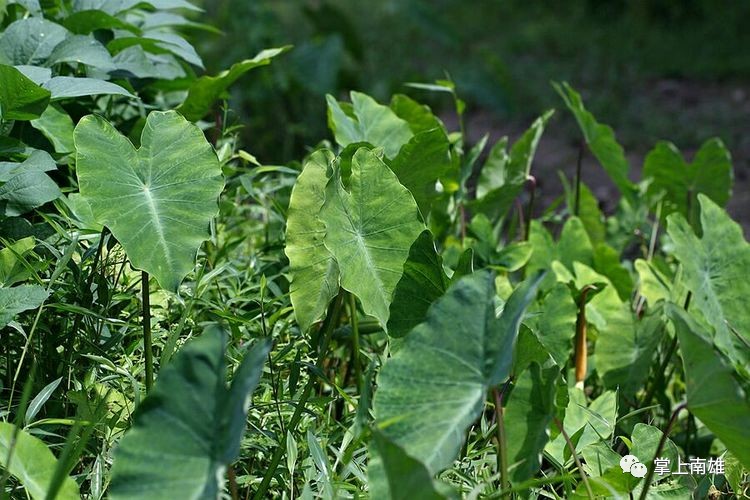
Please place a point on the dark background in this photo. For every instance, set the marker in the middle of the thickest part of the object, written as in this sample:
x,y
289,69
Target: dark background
x,y
652,69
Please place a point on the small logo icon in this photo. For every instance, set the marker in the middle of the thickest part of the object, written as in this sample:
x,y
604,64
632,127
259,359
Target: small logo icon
x,y
630,463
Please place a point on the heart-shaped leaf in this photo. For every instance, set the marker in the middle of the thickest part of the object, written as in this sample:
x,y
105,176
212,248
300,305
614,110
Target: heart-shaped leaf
x,y
679,182
189,427
368,122
369,230
157,200
712,265
434,387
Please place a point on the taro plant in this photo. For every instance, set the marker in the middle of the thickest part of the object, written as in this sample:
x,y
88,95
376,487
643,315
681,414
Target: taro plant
x,y
420,325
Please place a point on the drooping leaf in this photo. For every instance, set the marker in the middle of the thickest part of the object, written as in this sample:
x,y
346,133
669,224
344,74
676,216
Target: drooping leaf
x,y
18,299
157,200
20,98
711,267
206,90
392,474
32,463
369,231
57,126
81,49
600,139
422,283
315,273
713,393
434,387
677,182
527,417
189,427
30,41
369,122
67,87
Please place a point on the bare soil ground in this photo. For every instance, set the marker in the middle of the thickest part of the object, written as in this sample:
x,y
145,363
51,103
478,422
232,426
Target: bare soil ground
x,y
683,111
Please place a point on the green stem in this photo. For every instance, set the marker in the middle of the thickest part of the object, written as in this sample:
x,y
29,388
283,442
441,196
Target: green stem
x,y
502,438
662,442
532,186
332,320
147,341
355,337
577,201
572,449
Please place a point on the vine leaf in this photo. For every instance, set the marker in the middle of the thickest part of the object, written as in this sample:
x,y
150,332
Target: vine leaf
x,y
157,200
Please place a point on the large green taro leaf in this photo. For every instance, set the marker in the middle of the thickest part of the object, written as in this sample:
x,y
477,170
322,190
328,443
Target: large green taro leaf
x,y
315,273
713,393
369,230
601,141
157,200
715,267
30,41
367,121
434,387
679,182
190,426
33,464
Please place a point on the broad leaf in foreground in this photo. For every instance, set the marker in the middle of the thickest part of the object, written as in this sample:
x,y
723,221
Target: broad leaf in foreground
x,y
369,122
713,269
206,90
713,393
315,273
434,387
157,200
679,182
369,230
189,427
33,464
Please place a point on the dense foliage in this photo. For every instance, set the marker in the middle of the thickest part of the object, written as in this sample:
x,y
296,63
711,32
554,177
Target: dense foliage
x,y
392,317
